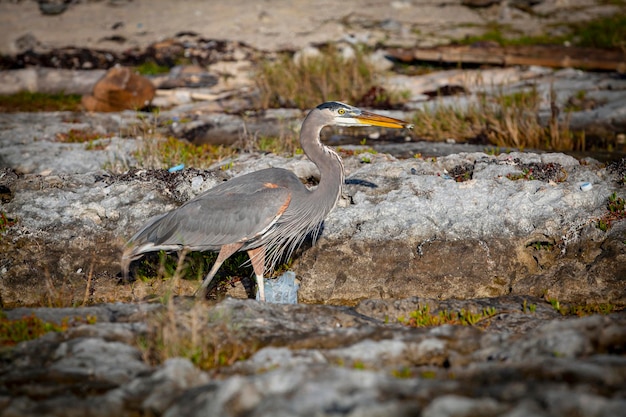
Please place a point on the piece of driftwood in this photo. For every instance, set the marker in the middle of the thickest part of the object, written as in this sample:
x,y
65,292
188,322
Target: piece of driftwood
x,y
547,56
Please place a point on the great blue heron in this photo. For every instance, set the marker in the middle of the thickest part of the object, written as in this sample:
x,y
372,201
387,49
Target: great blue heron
x,y
267,213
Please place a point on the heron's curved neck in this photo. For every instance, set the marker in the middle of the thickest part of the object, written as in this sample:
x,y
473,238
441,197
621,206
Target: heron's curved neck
x,y
327,160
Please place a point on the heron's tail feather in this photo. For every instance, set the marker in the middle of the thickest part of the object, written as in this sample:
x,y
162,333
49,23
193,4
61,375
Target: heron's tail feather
x,y
131,253
125,265
139,244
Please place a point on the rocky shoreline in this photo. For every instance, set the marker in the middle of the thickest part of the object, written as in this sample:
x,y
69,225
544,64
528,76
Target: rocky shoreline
x,y
324,360
516,223
531,245
451,280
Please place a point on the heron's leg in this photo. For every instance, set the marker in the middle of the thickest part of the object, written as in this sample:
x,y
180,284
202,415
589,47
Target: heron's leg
x,y
257,257
225,252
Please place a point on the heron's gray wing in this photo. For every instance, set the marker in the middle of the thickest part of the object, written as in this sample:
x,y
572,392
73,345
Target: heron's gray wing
x,y
212,220
254,181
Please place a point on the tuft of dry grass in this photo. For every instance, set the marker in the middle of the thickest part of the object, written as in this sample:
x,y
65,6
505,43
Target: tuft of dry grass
x,y
190,331
447,121
158,150
502,120
185,329
304,83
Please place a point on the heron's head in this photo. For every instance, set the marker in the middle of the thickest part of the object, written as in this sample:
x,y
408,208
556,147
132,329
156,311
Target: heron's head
x,y
341,114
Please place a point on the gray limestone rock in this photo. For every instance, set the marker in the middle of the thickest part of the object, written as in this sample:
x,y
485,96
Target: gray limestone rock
x,y
517,223
326,360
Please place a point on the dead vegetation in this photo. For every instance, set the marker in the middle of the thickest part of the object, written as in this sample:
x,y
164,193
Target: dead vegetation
x,y
307,80
503,120
159,150
192,332
184,328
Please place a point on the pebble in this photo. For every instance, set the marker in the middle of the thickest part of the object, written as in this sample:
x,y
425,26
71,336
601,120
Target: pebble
x,y
196,181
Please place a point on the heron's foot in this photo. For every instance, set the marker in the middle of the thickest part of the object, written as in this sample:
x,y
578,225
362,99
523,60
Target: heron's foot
x,y
260,286
201,292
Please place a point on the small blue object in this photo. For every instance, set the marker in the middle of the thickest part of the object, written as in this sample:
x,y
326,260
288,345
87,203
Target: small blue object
x,y
177,168
586,186
281,290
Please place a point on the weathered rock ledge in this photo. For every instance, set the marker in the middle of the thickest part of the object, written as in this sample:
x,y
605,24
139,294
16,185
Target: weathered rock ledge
x,y
324,361
471,233
464,225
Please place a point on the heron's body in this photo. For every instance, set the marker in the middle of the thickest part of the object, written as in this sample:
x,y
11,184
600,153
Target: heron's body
x,y
266,213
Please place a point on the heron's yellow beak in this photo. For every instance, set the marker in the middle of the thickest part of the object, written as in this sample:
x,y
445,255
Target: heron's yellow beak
x,y
373,119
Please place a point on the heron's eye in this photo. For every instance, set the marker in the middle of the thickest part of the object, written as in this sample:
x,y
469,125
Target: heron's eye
x,y
341,111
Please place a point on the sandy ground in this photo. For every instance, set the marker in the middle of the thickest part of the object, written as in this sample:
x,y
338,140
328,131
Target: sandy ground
x,y
272,25
266,25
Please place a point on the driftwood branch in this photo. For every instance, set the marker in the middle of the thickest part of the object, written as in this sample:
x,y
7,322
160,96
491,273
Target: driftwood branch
x,y
548,56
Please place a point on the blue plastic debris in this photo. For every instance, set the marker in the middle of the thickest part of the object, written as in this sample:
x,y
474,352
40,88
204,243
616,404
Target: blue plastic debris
x,y
178,167
281,290
586,186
